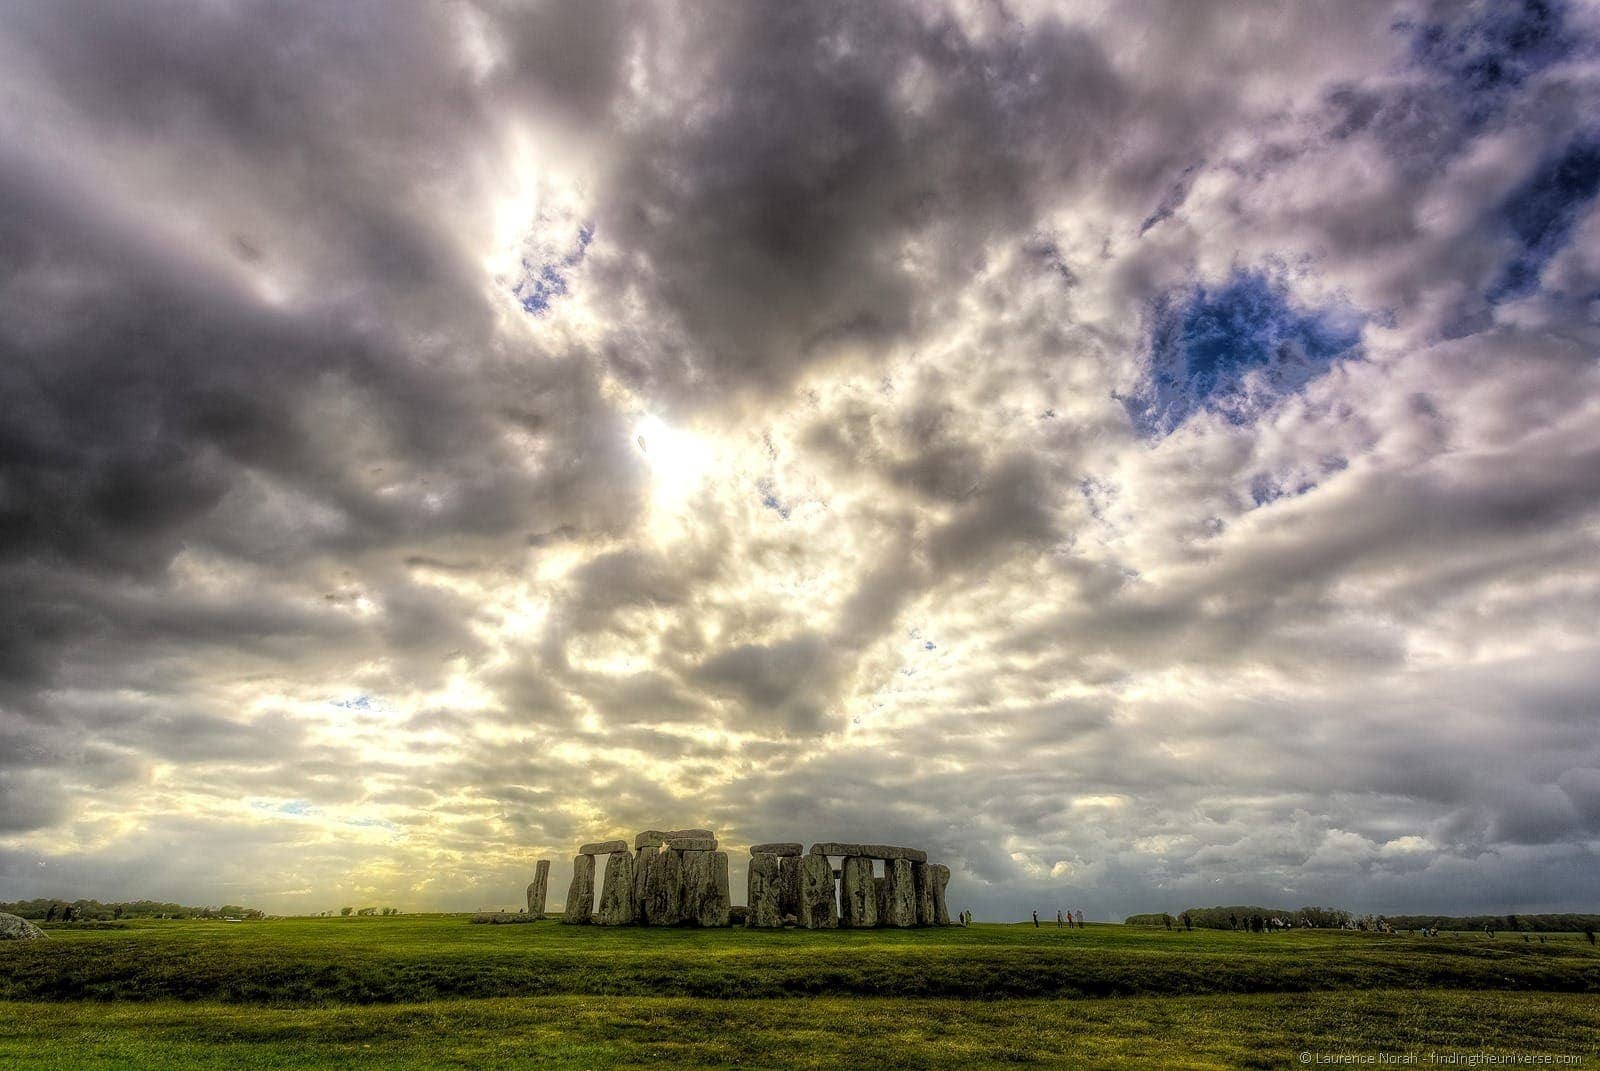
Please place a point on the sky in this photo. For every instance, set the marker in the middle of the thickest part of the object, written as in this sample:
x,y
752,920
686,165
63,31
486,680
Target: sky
x,y
1145,454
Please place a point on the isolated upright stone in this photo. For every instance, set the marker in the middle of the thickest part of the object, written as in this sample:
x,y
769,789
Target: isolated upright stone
x,y
858,898
922,884
818,906
899,894
580,895
940,875
617,906
764,892
539,888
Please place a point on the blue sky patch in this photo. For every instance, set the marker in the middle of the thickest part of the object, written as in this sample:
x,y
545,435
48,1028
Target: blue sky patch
x,y
545,282
1489,50
1235,349
1542,213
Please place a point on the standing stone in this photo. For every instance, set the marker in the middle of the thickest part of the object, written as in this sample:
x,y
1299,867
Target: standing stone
x,y
818,907
922,882
17,928
664,887
883,903
940,878
539,888
705,888
641,871
764,892
858,899
617,907
899,894
789,870
580,895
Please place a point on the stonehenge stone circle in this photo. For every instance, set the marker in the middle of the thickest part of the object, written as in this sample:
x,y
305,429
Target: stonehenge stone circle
x,y
617,905
679,878
580,895
539,888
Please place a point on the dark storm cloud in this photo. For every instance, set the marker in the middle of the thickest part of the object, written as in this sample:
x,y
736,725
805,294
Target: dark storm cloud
x,y
431,436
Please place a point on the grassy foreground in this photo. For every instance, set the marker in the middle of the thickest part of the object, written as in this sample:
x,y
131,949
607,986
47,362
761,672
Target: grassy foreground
x,y
436,992
1265,1030
424,958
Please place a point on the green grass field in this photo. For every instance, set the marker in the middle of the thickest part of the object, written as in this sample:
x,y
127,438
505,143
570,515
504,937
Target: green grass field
x,y
434,991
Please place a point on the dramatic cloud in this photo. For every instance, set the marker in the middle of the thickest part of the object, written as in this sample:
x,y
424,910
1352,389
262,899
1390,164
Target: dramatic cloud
x,y
1148,454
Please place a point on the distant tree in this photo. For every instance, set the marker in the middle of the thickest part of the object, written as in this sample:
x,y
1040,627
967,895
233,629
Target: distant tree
x,y
346,910
368,911
1511,923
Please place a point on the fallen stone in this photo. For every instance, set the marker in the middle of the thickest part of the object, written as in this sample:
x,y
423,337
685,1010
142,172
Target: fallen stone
x,y
858,899
539,889
871,851
604,847
941,877
784,848
580,894
818,906
899,894
650,838
764,892
692,844
922,883
705,888
17,928
617,906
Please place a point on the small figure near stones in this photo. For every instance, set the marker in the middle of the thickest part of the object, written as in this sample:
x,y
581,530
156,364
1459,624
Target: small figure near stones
x,y
1036,920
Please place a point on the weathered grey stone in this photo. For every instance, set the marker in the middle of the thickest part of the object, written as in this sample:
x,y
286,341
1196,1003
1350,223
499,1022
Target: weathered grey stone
x,y
922,883
17,928
818,906
692,844
580,894
705,888
617,906
940,875
777,848
641,870
858,899
764,892
650,838
871,851
789,868
697,834
539,888
664,888
604,847
899,894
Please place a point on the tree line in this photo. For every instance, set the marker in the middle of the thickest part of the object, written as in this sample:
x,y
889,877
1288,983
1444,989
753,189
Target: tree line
x,y
49,909
1328,918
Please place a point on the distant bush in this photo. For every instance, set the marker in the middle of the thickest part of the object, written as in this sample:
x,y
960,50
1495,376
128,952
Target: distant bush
x,y
95,911
1239,917
1562,923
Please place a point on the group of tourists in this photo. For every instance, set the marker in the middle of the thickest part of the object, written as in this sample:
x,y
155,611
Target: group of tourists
x,y
1063,918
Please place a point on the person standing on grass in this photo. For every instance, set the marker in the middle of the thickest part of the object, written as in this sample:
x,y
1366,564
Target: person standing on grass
x,y
1036,920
